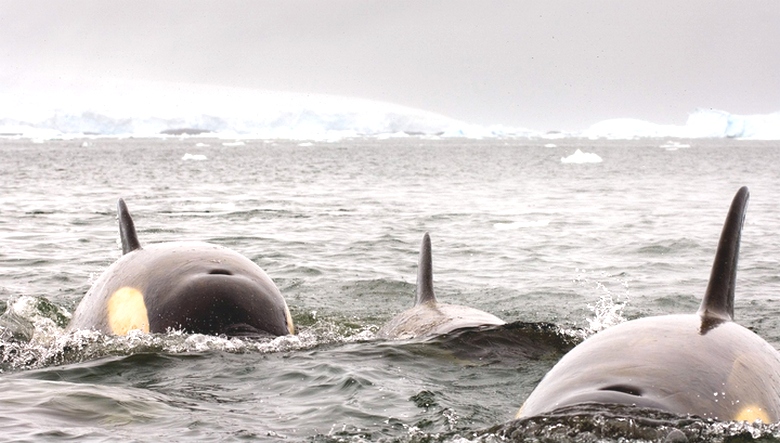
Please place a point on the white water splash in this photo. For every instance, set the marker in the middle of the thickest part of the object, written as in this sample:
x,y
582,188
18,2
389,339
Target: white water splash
x,y
30,338
608,309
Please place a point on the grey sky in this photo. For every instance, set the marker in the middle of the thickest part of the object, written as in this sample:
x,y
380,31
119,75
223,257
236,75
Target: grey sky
x,y
540,64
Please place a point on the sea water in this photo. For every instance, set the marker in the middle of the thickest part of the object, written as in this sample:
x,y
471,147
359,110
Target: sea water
x,y
558,249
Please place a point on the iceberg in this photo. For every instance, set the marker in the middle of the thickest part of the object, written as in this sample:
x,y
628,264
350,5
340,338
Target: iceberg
x,y
196,157
702,123
673,145
715,123
580,157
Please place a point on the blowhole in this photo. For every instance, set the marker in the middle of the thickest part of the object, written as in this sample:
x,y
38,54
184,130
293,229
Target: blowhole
x,y
220,272
630,390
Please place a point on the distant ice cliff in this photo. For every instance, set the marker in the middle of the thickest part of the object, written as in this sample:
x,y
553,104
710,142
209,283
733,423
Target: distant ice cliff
x,y
155,109
702,123
146,110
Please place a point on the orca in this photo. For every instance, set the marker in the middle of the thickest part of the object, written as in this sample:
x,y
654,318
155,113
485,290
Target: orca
x,y
194,287
701,364
428,317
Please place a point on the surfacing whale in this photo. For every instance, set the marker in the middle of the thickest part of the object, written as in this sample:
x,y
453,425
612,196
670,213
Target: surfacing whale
x,y
189,286
700,364
428,317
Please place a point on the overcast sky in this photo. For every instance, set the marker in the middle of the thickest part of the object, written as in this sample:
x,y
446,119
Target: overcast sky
x,y
541,64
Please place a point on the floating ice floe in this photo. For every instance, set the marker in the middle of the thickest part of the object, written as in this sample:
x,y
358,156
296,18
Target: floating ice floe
x,y
550,145
236,143
197,157
582,157
672,145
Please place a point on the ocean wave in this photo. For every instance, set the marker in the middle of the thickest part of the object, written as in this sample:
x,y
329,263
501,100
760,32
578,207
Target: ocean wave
x,y
619,423
33,335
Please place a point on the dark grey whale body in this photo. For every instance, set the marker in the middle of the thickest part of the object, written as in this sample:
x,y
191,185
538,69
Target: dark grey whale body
x,y
428,317
190,286
701,364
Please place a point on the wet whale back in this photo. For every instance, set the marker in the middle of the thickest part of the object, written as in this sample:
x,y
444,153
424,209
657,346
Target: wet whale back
x,y
425,273
191,286
702,364
428,317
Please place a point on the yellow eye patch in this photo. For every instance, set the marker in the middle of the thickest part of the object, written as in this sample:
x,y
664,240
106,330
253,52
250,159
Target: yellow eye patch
x,y
290,326
751,414
127,311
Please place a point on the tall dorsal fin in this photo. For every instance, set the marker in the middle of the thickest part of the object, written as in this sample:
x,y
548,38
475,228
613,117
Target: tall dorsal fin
x,y
718,303
425,273
126,228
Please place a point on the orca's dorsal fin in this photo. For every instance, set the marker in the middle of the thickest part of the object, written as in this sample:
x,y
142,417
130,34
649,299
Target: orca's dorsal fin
x,y
126,228
425,273
718,303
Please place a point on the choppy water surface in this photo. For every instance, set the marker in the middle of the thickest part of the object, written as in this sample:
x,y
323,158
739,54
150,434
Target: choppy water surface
x,y
555,249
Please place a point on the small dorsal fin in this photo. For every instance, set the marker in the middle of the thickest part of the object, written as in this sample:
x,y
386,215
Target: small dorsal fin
x,y
425,273
718,303
126,228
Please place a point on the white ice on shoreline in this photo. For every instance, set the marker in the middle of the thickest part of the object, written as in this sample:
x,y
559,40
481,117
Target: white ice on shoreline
x,y
702,123
157,110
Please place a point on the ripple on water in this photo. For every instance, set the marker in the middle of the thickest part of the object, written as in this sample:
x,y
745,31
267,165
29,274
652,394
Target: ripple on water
x,y
619,423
